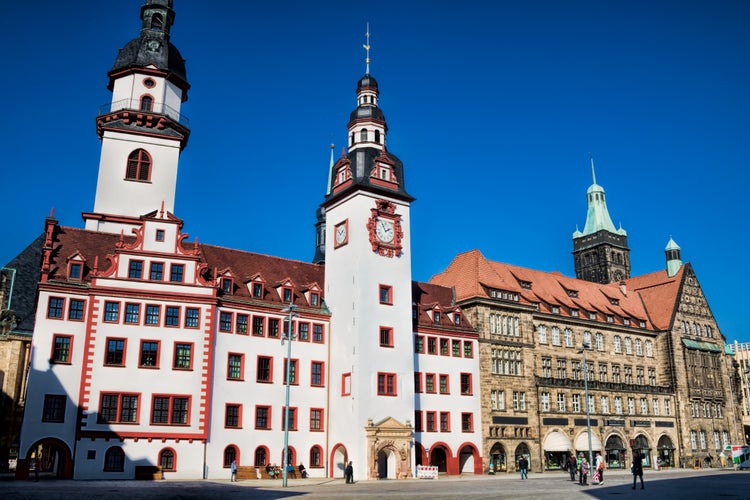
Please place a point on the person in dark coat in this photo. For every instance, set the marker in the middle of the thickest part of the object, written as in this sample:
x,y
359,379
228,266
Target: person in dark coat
x,y
523,465
572,463
637,468
349,473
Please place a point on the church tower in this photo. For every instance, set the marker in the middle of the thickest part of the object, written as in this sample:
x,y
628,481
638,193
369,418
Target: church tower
x,y
368,290
601,252
142,130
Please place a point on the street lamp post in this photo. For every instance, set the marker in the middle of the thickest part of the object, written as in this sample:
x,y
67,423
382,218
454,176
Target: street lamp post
x,y
583,350
289,337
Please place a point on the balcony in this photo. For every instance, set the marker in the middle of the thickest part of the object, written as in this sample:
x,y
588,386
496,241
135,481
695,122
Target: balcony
x,y
135,105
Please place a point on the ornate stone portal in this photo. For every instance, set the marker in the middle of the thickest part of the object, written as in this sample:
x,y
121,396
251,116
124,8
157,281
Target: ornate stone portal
x,y
389,449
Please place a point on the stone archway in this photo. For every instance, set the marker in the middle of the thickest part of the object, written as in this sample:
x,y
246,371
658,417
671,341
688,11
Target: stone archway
x,y
338,461
53,456
389,449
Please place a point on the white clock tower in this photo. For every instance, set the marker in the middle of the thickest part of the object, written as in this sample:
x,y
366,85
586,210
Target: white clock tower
x,y
142,130
368,290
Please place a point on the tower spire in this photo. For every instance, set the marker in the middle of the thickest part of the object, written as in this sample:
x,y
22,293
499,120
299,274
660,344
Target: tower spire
x,y
330,170
367,50
593,172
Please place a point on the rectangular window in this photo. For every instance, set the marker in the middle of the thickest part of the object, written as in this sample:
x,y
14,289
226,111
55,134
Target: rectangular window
x,y
75,310
293,365
118,408
444,347
386,337
417,382
264,373
346,384
132,314
316,373
177,273
241,323
152,314
192,317
314,299
183,356
667,410
456,348
74,271
445,421
519,401
387,384
386,294
258,326
430,382
172,317
234,366
291,418
430,421
576,403
227,285
418,344
115,352
61,350
273,327
431,345
497,400
54,408
262,417
303,332
467,422
157,271
561,402
545,402
225,321
159,235
232,417
316,419
173,410
631,406
618,405
418,421
149,354
135,269
287,294
318,333
444,384
468,349
656,406
605,404
257,290
111,312
466,388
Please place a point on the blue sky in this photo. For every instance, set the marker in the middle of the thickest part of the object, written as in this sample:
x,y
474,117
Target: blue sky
x,y
492,106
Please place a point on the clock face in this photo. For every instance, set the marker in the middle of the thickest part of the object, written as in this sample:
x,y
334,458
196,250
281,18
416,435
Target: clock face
x,y
341,233
384,230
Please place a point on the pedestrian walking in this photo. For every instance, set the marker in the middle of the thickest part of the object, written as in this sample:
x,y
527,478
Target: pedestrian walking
x,y
572,466
584,472
349,473
579,461
523,466
600,467
637,468
233,469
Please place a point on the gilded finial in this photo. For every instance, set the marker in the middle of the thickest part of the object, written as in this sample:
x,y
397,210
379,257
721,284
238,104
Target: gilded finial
x,y
367,50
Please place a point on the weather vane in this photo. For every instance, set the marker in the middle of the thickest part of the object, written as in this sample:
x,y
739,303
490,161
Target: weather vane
x,y
367,50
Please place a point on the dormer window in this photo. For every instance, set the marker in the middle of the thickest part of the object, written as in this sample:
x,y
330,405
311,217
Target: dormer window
x,y
592,316
626,321
457,318
526,285
258,290
436,316
614,302
574,313
555,309
610,318
314,299
75,270
227,285
287,294
573,293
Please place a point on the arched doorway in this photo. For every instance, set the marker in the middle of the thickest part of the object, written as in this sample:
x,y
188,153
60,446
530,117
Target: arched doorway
x,y
386,463
644,448
469,461
338,461
420,453
581,444
439,458
497,459
665,452
615,453
522,450
556,448
53,457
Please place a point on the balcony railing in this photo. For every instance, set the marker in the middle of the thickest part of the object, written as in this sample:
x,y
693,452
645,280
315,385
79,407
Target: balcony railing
x,y
135,105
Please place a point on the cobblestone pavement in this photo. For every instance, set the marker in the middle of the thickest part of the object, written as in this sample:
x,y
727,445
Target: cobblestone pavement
x,y
682,484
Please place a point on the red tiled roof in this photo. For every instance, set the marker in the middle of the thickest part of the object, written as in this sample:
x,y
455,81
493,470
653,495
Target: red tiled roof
x,y
650,298
428,296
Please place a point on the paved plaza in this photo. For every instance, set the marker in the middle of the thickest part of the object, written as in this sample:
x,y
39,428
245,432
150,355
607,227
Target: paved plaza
x,y
678,484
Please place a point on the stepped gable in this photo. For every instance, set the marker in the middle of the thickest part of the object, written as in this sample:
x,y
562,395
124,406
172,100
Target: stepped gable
x,y
659,293
474,276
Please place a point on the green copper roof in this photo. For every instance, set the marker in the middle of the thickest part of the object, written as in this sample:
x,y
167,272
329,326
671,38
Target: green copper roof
x,y
597,216
702,346
671,245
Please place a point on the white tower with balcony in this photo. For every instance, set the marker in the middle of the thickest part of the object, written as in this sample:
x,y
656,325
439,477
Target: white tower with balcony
x,y
142,130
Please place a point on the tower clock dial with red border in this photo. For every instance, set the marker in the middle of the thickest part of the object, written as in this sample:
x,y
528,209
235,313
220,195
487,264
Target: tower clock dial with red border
x,y
384,229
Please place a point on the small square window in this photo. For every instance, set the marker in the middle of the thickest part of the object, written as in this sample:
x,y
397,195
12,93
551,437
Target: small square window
x,y
386,294
386,337
159,235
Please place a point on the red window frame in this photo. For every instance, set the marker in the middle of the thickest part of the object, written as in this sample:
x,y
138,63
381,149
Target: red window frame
x,y
322,338
430,421
417,382
118,417
138,166
316,457
293,414
429,383
303,331
386,336
322,374
346,384
53,355
241,376
127,317
445,347
171,399
192,356
467,422
169,318
82,309
140,354
58,310
319,418
107,351
268,410
444,377
270,370
467,377
468,349
445,421
418,421
432,345
115,310
238,406
226,319
387,384
456,348
419,344
259,321
385,294
190,318
242,325
294,363
165,466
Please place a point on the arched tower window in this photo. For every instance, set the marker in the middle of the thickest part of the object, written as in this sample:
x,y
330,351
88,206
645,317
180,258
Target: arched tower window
x,y
157,22
377,136
147,103
139,165
167,459
363,135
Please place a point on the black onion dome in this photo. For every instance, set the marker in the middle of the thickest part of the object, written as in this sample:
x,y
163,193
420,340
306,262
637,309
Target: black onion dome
x,y
369,112
367,81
